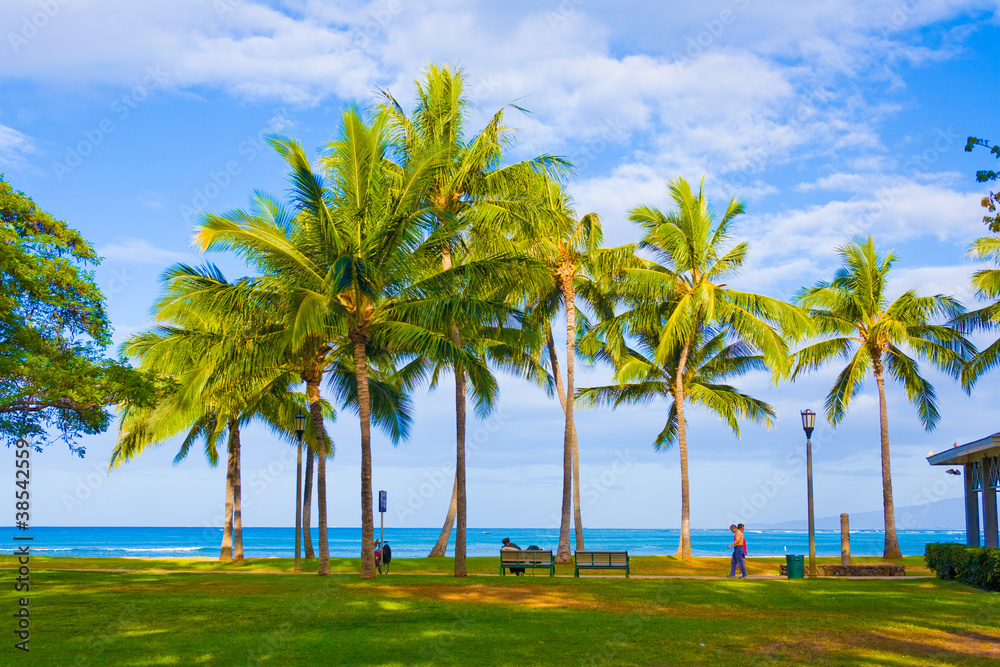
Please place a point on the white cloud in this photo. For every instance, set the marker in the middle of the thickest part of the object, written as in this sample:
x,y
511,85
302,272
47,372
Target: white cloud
x,y
140,251
13,146
929,280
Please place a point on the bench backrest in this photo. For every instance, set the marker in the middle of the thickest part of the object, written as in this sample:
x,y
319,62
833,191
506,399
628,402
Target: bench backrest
x,y
533,557
607,558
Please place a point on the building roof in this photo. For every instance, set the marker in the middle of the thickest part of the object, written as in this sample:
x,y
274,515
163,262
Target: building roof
x,y
970,451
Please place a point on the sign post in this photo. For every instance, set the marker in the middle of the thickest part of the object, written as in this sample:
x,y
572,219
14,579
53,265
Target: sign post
x,y
381,513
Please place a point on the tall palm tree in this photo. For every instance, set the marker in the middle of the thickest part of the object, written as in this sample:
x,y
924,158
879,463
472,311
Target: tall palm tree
x,y
681,291
578,268
986,283
302,256
859,324
472,192
215,389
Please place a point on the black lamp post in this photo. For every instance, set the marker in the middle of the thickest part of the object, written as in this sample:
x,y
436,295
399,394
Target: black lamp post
x,y
808,423
300,427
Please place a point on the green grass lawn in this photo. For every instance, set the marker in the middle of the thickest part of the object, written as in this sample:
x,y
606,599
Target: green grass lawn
x,y
639,565
240,617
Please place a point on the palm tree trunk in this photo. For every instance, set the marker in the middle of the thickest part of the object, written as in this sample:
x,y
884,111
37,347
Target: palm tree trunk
x,y
563,554
227,528
307,504
461,505
460,497
684,548
315,411
364,409
561,393
891,549
234,430
441,546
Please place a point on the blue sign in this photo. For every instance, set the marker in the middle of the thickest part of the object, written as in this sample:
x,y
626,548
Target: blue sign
x,y
381,501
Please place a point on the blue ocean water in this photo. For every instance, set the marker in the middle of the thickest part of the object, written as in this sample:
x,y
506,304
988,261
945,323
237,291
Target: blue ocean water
x,y
417,542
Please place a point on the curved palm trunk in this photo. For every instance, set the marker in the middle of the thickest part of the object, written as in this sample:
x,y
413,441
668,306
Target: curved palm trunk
x,y
563,553
307,504
891,549
684,548
561,393
316,413
364,410
234,430
461,505
227,528
441,546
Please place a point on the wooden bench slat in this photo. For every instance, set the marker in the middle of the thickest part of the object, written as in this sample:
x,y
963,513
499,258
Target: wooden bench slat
x,y
601,560
532,558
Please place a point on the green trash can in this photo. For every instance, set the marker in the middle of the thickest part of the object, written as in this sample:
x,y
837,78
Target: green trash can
x,y
796,566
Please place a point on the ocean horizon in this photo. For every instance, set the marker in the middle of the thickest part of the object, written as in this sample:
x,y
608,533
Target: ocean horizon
x,y
259,542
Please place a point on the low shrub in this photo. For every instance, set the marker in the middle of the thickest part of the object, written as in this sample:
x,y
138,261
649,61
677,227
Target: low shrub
x,y
975,566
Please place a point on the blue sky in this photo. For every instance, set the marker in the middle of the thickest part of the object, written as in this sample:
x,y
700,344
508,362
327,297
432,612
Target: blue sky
x,y
830,119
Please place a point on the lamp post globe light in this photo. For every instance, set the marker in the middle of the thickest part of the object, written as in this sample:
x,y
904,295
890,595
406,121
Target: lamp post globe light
x,y
808,423
300,428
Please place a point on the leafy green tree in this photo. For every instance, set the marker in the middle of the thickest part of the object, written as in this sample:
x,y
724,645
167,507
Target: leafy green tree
x,y
860,325
992,200
986,282
53,332
475,195
578,268
681,291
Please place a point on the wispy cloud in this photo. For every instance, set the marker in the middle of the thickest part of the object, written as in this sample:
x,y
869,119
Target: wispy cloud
x,y
140,251
14,146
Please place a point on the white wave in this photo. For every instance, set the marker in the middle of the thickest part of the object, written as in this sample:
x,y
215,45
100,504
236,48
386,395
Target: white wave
x,y
158,549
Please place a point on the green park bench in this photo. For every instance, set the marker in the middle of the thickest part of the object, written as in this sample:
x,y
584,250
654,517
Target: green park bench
x,y
530,559
601,560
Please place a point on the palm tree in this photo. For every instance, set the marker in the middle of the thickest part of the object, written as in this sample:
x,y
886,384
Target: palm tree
x,y
361,270
475,195
680,292
301,256
394,293
576,266
215,389
645,373
859,324
986,282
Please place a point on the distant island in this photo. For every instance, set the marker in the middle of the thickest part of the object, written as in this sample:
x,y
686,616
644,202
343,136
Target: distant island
x,y
947,514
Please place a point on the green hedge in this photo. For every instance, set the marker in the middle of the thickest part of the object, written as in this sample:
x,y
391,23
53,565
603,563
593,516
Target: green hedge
x,y
976,566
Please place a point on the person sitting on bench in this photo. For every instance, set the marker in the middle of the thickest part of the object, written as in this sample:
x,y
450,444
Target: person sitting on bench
x,y
510,546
